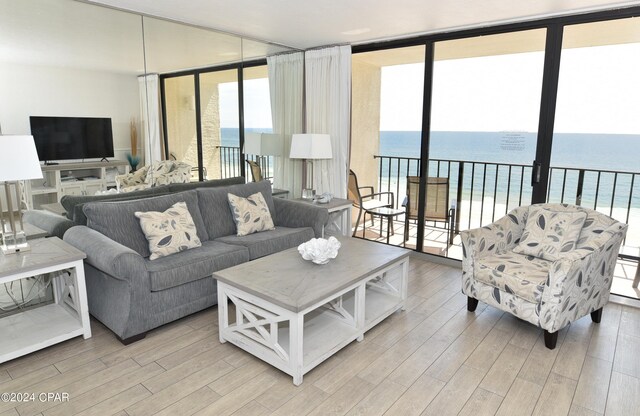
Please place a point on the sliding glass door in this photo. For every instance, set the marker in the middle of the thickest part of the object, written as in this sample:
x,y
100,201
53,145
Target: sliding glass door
x,y
485,109
220,121
180,118
386,131
595,157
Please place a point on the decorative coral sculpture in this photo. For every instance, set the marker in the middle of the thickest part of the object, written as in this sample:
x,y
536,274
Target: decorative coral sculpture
x,y
320,250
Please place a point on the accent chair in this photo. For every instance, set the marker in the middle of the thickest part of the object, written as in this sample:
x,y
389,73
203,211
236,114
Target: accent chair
x,y
548,264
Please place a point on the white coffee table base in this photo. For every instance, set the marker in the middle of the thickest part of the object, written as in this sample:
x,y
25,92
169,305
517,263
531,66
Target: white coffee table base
x,y
296,342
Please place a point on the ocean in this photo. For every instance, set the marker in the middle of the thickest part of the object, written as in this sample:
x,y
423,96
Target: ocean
x,y
501,173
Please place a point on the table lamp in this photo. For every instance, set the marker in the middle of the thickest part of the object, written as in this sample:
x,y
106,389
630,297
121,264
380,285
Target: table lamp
x,y
18,161
308,147
263,144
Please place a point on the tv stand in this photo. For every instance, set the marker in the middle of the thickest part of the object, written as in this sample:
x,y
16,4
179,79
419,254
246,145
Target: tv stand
x,y
50,163
82,178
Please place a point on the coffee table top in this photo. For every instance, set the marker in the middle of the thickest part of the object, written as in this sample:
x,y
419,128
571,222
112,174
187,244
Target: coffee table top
x,y
287,280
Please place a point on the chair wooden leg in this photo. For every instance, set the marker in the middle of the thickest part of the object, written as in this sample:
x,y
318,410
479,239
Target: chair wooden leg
x,y
596,316
472,304
550,339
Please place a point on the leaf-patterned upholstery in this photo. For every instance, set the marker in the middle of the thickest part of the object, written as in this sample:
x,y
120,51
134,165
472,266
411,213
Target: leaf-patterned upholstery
x,y
160,173
549,294
521,275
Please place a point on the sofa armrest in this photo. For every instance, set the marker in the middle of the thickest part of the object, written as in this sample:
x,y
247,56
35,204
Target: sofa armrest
x,y
300,214
55,225
105,254
580,281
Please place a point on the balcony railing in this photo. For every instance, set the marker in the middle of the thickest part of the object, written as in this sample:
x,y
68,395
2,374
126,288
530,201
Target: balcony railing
x,y
484,191
230,163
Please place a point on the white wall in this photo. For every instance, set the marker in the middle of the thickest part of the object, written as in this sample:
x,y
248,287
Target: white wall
x,y
32,90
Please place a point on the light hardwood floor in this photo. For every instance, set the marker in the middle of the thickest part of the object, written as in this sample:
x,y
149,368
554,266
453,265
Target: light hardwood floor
x,y
433,359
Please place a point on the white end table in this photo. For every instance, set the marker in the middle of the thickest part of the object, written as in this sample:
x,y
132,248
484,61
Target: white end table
x,y
41,326
339,216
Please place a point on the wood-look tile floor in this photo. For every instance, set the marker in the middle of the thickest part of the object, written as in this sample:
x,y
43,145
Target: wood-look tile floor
x,y
433,359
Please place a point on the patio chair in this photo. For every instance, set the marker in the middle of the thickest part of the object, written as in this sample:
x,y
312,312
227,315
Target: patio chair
x,y
256,171
366,200
436,203
548,264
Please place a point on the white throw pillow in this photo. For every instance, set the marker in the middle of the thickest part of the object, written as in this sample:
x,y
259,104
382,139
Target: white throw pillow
x,y
251,214
170,231
548,234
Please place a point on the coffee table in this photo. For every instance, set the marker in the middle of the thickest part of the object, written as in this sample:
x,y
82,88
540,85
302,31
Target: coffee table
x,y
294,314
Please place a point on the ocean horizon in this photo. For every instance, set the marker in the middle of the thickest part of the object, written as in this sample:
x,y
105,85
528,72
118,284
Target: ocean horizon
x,y
497,168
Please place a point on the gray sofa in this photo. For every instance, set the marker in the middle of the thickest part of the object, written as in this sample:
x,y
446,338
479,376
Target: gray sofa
x,y
131,294
56,225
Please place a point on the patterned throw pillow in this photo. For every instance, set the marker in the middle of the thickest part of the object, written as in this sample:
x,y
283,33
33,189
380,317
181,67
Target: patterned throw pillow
x,y
169,232
251,214
548,234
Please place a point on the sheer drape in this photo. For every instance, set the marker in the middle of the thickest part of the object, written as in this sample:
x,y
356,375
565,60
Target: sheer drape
x,y
328,106
286,74
151,117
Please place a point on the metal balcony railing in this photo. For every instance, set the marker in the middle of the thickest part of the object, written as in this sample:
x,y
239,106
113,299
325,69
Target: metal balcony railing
x,y
230,163
486,191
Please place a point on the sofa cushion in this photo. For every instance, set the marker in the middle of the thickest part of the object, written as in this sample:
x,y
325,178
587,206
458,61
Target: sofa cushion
x,y
70,202
74,204
178,187
250,214
548,234
269,242
521,275
169,232
117,221
214,206
194,264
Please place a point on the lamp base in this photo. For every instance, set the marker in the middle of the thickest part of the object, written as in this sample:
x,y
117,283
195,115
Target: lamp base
x,y
308,193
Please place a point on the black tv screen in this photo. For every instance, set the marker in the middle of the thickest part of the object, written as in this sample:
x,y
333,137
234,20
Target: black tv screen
x,y
62,138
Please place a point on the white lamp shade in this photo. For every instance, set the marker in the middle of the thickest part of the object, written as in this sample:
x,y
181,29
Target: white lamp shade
x,y
18,159
311,146
263,144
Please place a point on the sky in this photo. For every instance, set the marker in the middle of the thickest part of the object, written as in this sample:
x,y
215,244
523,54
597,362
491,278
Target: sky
x,y
599,92
257,105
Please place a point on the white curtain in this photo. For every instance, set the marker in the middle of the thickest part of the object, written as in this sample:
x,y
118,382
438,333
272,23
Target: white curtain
x,y
328,111
151,117
286,77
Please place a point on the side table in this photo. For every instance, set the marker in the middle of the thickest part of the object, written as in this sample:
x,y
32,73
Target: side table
x,y
339,215
65,318
385,212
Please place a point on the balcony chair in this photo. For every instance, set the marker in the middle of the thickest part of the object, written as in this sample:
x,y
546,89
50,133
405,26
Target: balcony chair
x,y
548,264
256,171
436,203
367,200
160,173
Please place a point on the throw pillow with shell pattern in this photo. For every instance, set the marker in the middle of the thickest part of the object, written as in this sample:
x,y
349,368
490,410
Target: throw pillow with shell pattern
x,y
548,234
251,214
170,231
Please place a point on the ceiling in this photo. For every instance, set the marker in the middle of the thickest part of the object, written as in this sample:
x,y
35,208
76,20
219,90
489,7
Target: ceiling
x,y
72,34
305,24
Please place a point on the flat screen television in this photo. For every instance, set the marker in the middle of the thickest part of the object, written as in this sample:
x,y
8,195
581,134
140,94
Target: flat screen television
x,y
63,138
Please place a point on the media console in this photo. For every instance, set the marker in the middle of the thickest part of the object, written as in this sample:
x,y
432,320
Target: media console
x,y
85,178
